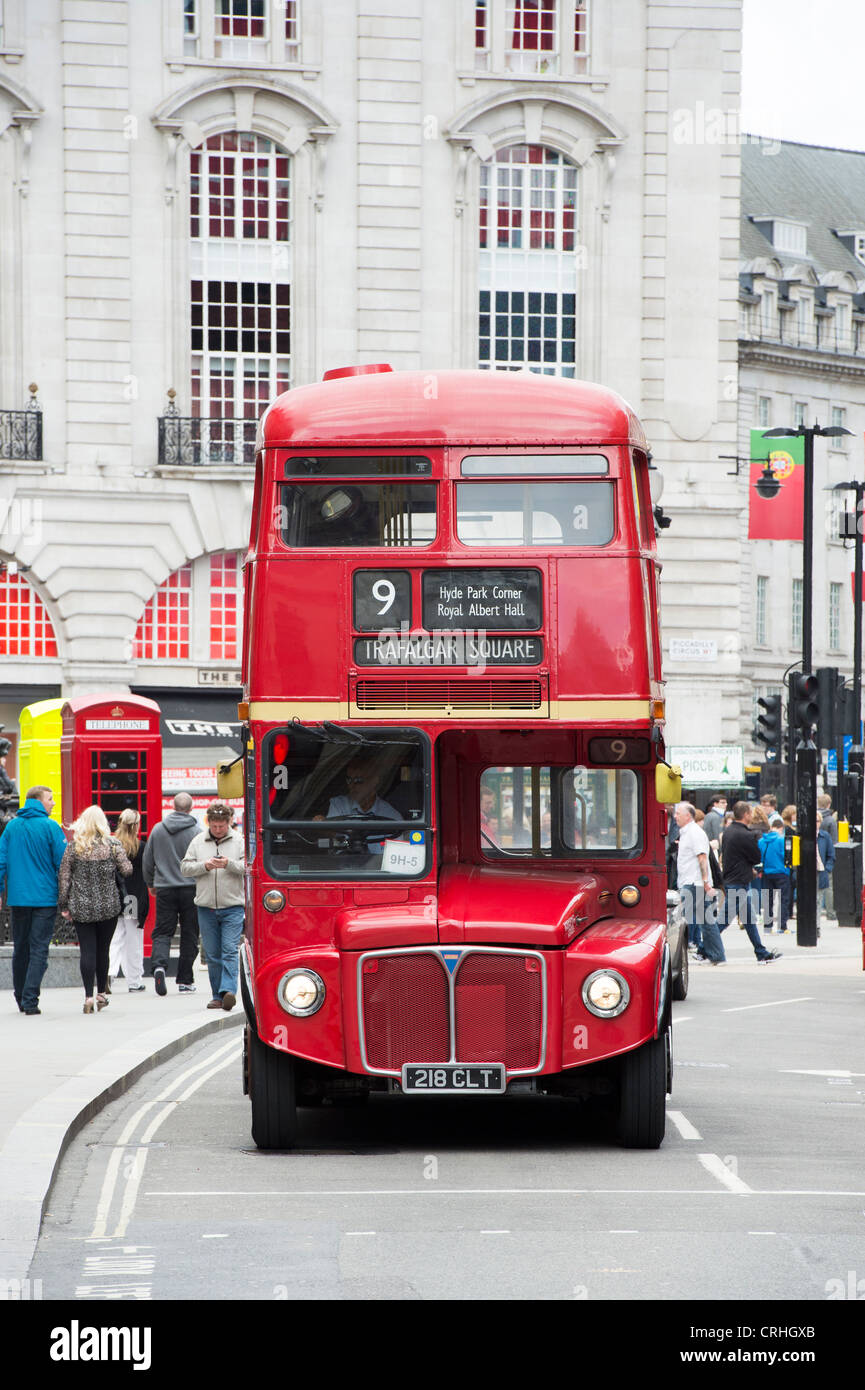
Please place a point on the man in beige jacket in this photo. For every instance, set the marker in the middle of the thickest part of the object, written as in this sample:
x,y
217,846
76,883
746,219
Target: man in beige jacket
x,y
215,860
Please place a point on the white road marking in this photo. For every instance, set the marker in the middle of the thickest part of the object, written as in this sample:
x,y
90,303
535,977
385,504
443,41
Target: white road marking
x,y
520,1192
801,1071
216,1235
686,1018
133,1182
624,1231
762,1233
769,1004
109,1182
685,1128
718,1168
359,1233
494,1233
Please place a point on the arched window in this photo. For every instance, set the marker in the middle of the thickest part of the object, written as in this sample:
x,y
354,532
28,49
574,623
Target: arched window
x,y
195,614
240,298
25,626
527,261
163,628
226,606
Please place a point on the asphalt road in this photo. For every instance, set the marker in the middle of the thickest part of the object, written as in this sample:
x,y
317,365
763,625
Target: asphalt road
x,y
757,1193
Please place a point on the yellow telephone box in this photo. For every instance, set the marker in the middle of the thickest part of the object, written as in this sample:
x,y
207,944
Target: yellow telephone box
x,y
39,750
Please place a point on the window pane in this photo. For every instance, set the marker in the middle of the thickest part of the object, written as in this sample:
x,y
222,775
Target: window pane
x,y
536,514
558,812
353,795
336,516
500,465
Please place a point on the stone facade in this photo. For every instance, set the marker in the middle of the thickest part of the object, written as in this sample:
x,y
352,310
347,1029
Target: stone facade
x,y
388,110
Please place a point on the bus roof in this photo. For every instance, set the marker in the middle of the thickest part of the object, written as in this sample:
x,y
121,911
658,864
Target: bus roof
x,y
392,409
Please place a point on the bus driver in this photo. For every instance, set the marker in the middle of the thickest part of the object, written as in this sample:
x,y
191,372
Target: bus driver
x,y
362,801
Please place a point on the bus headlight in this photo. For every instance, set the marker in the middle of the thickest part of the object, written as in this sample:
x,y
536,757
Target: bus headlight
x,y
606,993
629,896
274,900
301,993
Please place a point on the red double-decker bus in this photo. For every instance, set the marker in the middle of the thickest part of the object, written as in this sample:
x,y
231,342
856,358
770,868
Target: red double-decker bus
x,y
454,772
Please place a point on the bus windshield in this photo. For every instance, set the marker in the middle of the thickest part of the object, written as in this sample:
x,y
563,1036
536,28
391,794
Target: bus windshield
x,y
558,812
346,807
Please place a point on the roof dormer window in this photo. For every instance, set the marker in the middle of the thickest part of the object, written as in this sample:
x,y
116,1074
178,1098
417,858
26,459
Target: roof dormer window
x,y
854,240
784,234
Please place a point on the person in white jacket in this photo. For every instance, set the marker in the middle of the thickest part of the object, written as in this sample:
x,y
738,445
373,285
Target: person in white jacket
x,y
214,858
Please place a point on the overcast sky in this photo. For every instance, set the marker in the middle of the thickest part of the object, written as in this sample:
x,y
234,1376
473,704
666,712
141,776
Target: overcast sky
x,y
802,71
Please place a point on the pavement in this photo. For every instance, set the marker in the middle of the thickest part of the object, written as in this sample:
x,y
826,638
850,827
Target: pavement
x,y
62,1066
59,1069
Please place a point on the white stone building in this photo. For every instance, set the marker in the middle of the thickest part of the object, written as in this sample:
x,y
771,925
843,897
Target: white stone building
x,y
222,198
801,361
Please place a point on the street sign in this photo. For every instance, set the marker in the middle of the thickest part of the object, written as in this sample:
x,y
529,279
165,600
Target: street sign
x,y
712,766
832,761
693,649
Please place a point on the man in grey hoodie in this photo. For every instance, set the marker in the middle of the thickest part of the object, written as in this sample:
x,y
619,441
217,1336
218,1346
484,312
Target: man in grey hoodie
x,y
175,895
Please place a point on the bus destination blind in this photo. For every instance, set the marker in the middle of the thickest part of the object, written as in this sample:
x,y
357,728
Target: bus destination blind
x,y
495,600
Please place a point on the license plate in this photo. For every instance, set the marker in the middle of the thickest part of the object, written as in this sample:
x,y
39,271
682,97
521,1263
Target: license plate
x,y
453,1078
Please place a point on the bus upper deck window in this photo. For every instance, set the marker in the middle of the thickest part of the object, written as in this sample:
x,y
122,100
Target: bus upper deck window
x,y
337,515
535,465
538,514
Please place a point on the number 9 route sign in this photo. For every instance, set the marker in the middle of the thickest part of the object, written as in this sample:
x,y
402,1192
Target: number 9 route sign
x,y
382,599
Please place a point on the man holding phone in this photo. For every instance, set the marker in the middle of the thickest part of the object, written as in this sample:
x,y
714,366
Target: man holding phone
x,y
215,860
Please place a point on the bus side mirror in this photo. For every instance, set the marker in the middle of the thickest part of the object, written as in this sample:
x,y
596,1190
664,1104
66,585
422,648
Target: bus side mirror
x,y
229,780
668,784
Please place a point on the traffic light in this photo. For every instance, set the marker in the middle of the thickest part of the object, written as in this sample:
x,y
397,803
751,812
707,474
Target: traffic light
x,y
830,683
770,726
804,710
854,779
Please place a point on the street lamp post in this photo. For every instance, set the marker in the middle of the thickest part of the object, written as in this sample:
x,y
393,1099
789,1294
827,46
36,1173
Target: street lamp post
x,y
806,751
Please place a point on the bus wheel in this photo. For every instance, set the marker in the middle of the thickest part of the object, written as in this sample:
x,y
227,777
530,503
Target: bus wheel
x,y
272,1092
680,983
643,1094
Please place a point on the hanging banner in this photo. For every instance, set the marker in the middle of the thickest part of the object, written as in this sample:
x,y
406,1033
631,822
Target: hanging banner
x,y
778,518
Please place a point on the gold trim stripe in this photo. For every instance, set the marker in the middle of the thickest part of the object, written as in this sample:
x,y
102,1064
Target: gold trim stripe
x,y
599,711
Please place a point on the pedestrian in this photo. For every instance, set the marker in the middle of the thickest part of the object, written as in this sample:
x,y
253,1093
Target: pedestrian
x,y
8,788
825,862
672,848
830,824
91,896
175,898
788,816
31,852
214,858
695,887
127,943
714,821
776,875
769,802
758,826
741,862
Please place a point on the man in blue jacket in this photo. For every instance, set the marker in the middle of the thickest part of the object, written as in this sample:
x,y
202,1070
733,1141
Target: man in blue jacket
x,y
31,848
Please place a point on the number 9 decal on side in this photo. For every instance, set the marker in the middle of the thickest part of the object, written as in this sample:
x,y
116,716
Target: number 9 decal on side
x,y
382,599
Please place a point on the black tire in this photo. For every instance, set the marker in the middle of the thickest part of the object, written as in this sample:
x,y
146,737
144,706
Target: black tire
x,y
273,1096
643,1084
680,981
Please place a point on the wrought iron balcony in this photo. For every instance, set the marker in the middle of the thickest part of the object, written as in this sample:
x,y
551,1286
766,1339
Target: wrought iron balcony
x,y
21,431
193,441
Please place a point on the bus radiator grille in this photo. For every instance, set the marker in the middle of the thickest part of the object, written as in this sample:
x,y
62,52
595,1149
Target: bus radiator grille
x,y
497,999
457,694
405,1011
499,1010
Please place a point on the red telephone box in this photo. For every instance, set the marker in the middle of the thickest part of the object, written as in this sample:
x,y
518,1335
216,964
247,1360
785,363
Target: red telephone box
x,y
111,756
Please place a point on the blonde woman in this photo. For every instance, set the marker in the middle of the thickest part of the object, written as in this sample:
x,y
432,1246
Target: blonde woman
x,y
127,943
89,895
